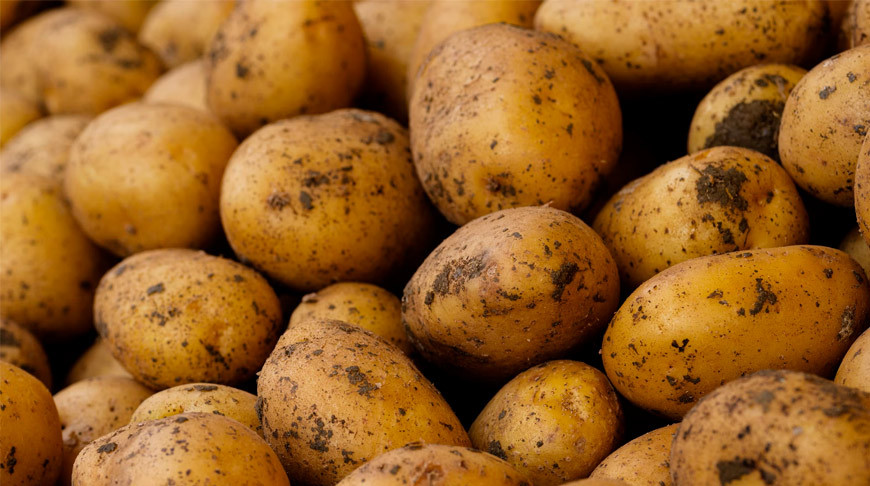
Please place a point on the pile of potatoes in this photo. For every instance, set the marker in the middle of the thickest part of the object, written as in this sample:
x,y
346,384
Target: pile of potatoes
x,y
440,242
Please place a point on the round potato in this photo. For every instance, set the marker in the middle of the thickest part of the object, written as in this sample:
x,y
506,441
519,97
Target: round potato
x,y
776,428
95,362
181,316
92,408
230,402
42,147
191,448
641,462
857,248
250,81
320,199
710,320
862,189
365,305
535,122
825,120
715,201
855,29
510,290
129,13
854,371
180,31
183,85
16,111
163,192
20,348
333,396
554,422
30,445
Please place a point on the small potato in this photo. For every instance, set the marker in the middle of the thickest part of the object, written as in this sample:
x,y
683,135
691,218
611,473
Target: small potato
x,y
824,122
42,147
129,13
181,316
20,348
862,189
191,448
365,305
183,85
855,28
775,428
92,408
30,445
435,464
179,31
95,362
854,371
857,248
554,422
230,402
16,111
641,462
333,396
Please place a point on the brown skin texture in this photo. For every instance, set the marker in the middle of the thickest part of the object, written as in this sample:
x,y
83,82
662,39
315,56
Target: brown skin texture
x,y
365,305
95,362
201,397
641,462
598,482
508,291
182,316
183,85
191,448
250,81
180,31
554,422
536,122
775,428
862,189
673,45
825,120
129,13
855,29
319,199
333,396
854,371
435,465
164,192
42,148
30,445
92,408
21,348
16,111
715,201
711,320
857,248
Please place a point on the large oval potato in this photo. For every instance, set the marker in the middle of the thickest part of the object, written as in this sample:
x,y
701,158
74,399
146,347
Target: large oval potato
x,y
641,462
180,31
854,371
862,189
230,402
183,85
42,147
20,348
16,111
711,320
96,361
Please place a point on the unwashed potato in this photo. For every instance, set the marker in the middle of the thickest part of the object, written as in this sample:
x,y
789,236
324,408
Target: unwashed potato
x,y
16,111
855,28
129,13
43,146
510,290
825,120
711,320
598,482
862,188
776,428
857,248
191,448
30,445
251,79
641,462
365,305
163,192
20,348
179,31
854,371
181,316
438,464
92,408
183,85
230,402
95,362
533,121
672,45
554,422
715,201
333,396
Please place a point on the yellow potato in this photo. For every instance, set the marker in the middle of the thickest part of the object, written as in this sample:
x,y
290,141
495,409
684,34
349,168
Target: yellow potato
x,y
854,371
42,147
641,462
598,482
857,248
20,348
16,111
230,402
183,85
179,31
862,189
129,13
95,362
855,28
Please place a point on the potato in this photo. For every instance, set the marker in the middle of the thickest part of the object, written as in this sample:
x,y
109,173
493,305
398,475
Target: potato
x,y
92,408
508,291
201,397
97,361
535,121
179,31
554,422
365,305
183,85
191,448
16,111
20,348
164,192
855,29
42,147
854,371
862,189
320,199
710,320
641,462
251,81
181,316
825,120
437,464
857,248
129,13
673,45
714,201
744,109
333,396
776,427
597,482
48,267
76,61
30,444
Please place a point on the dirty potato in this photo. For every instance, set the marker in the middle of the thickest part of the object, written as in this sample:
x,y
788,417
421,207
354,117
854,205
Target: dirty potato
x,y
16,111
854,371
96,361
21,348
230,402
183,85
862,189
857,248
641,462
855,29
42,147
180,31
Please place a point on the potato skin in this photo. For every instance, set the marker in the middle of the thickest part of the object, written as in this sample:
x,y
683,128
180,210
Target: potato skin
x,y
181,316
554,422
42,147
250,81
191,448
201,397
183,85
715,201
537,122
641,462
862,189
95,362
129,13
441,464
710,320
775,427
16,111
854,370
21,348
508,291
357,397
598,482
855,29
179,31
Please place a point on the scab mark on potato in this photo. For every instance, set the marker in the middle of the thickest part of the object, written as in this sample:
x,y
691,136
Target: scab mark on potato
x,y
562,277
109,447
730,471
764,295
11,461
588,65
323,435
355,376
155,289
278,200
455,273
496,450
305,199
826,91
722,187
847,324
241,70
679,347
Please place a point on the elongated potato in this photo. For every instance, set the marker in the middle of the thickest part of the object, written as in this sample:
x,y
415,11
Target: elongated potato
x,y
854,371
641,462
180,31
223,400
42,147
183,85
20,348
